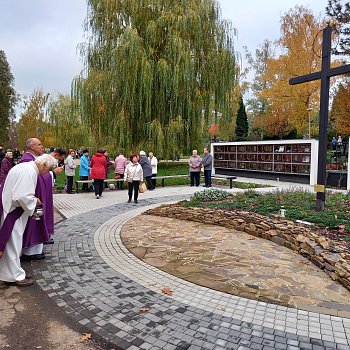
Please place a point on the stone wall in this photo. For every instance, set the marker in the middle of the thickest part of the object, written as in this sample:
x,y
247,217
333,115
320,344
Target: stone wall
x,y
324,253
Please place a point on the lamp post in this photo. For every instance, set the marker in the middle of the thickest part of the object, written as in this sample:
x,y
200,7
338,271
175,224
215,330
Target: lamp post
x,y
308,112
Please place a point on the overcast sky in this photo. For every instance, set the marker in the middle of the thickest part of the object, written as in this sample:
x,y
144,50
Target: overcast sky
x,y
40,37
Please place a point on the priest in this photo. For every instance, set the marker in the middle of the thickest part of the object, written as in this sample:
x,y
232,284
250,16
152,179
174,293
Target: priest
x,y
39,231
17,203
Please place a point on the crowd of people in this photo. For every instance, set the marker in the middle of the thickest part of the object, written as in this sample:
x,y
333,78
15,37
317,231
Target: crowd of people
x,y
27,180
134,171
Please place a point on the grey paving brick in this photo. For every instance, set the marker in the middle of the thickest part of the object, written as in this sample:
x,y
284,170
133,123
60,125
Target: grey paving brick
x,y
102,299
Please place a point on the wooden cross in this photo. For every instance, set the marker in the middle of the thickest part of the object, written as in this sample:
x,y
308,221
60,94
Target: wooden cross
x,y
325,74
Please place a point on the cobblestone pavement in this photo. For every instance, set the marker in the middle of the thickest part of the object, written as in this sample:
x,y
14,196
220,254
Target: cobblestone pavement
x,y
97,282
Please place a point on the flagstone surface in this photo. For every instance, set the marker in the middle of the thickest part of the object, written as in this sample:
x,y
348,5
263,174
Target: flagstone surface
x,y
234,262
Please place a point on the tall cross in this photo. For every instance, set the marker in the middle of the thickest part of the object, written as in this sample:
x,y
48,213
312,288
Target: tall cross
x,y
325,74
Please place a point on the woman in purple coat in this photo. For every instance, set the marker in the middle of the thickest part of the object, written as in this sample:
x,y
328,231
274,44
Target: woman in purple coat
x,y
6,165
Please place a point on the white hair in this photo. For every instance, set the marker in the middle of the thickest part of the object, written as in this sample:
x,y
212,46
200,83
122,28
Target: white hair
x,y
142,153
194,151
46,160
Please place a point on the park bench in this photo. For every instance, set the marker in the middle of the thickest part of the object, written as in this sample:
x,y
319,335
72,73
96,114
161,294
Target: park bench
x,y
224,177
77,182
229,178
164,177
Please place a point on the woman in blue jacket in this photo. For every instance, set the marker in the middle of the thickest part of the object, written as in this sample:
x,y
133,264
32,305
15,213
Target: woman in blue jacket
x,y
84,169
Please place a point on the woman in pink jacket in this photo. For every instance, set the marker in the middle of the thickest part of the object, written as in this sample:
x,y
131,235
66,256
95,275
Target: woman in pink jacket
x,y
195,164
120,164
98,165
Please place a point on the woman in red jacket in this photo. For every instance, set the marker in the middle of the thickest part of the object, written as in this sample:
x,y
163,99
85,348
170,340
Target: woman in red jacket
x,y
98,165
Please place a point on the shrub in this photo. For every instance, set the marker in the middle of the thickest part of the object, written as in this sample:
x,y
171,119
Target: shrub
x,y
210,195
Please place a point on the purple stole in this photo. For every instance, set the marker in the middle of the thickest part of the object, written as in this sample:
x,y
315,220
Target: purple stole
x,y
39,231
9,222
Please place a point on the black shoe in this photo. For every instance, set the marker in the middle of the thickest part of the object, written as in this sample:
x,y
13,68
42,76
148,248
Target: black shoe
x,y
129,200
135,201
50,241
32,257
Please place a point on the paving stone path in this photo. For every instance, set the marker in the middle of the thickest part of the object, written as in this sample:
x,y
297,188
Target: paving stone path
x,y
100,284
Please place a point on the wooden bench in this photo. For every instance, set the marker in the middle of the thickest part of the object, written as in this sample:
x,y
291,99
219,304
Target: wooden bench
x,y
169,177
224,177
77,182
215,176
163,178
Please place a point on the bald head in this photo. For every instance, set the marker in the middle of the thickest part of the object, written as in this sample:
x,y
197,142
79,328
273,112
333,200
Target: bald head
x,y
34,147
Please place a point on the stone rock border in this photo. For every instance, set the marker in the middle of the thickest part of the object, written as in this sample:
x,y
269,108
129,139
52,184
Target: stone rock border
x,y
321,251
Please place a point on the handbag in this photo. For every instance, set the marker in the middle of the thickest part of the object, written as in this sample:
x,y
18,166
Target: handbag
x,y
142,187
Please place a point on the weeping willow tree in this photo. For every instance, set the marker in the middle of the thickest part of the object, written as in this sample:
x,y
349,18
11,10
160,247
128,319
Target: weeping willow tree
x,y
67,128
155,70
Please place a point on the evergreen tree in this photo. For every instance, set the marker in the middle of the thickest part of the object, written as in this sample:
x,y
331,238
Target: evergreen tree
x,y
154,72
7,99
242,122
340,12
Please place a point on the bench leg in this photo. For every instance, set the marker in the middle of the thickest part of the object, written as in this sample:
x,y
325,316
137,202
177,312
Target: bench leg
x,y
162,182
230,183
77,185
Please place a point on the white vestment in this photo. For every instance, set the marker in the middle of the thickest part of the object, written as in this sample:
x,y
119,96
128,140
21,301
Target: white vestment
x,y
18,191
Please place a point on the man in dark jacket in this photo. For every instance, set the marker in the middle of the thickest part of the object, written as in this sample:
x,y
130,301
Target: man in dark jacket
x,y
207,162
147,169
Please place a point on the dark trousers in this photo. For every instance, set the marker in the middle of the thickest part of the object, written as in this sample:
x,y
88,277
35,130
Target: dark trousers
x,y
69,184
195,176
120,184
98,184
207,178
133,186
154,181
149,182
85,186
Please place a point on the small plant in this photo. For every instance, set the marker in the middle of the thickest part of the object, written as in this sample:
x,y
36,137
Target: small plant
x,y
210,195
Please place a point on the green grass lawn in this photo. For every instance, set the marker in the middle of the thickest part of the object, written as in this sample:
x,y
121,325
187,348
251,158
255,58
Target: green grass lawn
x,y
299,205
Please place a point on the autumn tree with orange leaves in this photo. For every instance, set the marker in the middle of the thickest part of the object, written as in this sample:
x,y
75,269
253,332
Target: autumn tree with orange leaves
x,y
340,113
300,45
